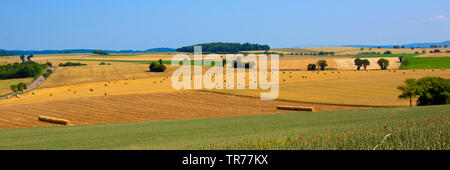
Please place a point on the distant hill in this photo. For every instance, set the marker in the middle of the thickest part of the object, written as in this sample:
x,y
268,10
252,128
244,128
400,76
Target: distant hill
x,y
29,52
415,45
222,48
5,53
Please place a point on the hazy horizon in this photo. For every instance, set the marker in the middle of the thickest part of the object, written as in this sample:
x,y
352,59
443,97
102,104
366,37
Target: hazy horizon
x,y
138,25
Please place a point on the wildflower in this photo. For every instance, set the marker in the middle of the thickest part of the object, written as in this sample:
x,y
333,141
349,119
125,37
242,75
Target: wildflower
x,y
384,127
301,138
337,137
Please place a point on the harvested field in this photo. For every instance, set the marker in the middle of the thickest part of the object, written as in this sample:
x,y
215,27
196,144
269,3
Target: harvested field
x,y
349,64
143,107
64,76
374,87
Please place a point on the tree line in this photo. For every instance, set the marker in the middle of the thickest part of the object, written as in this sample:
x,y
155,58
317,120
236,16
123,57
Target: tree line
x,y
222,48
21,70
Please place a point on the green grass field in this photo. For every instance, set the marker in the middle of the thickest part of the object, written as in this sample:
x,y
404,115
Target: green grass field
x,y
416,62
409,128
427,62
4,84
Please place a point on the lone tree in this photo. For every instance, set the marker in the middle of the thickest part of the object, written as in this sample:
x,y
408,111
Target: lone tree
x,y
358,63
383,63
406,63
322,64
22,57
409,90
365,63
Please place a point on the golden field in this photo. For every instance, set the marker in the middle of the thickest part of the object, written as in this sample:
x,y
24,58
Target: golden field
x,y
357,50
365,88
128,92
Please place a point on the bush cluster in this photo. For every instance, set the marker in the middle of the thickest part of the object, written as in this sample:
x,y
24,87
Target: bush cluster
x,y
21,70
18,87
70,64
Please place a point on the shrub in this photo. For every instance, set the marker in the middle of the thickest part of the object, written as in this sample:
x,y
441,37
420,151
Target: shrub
x,y
311,66
70,64
388,52
157,67
49,64
18,87
246,64
102,63
383,63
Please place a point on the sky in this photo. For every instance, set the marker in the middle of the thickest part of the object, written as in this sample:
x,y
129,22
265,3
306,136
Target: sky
x,y
145,24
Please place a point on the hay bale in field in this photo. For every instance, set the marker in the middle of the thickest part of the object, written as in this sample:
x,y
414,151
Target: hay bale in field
x,y
106,84
106,94
18,96
8,97
91,89
297,108
33,93
51,94
53,120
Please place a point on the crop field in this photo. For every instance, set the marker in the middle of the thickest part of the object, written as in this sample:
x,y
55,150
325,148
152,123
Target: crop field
x,y
154,106
93,73
104,97
428,63
373,88
357,50
387,128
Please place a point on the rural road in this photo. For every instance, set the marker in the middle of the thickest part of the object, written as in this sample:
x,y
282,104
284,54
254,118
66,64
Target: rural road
x,y
30,87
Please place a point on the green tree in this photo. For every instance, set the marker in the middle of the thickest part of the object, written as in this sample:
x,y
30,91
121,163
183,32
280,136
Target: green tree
x,y
311,66
433,90
29,57
358,63
383,63
322,64
365,63
409,90
157,67
22,57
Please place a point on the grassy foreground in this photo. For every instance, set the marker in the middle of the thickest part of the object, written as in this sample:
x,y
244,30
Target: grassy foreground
x,y
386,128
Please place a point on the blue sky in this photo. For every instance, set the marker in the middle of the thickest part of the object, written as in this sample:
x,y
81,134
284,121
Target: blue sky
x,y
139,24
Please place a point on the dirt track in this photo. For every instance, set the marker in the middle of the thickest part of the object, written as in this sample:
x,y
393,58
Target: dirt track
x,y
142,107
